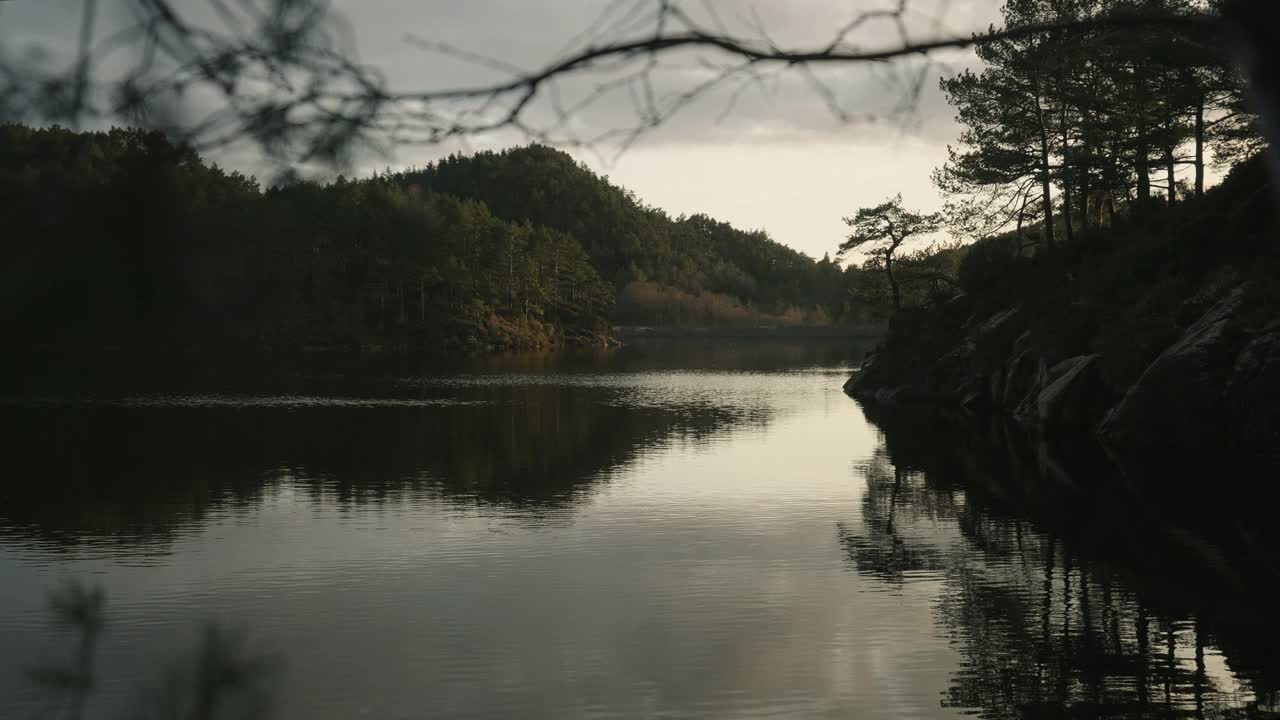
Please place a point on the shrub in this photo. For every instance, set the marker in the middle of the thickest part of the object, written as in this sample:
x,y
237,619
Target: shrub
x,y
989,269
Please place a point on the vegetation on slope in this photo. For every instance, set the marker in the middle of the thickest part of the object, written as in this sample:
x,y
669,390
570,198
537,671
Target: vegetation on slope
x,y
124,239
1107,296
629,242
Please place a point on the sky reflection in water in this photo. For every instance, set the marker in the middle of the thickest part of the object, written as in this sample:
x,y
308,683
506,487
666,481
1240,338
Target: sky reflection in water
x,y
713,532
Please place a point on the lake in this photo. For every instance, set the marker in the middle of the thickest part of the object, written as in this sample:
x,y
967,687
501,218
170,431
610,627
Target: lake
x,y
667,530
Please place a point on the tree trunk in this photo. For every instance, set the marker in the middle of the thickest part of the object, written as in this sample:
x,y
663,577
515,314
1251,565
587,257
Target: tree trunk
x,y
893,282
1111,183
1084,197
1066,188
1022,213
1047,199
1169,173
1200,146
511,276
1066,181
1144,176
1084,168
1066,147
1142,153
1114,162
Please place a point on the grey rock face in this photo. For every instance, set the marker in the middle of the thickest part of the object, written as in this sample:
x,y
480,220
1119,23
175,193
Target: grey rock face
x,y
1177,402
1076,396
1252,397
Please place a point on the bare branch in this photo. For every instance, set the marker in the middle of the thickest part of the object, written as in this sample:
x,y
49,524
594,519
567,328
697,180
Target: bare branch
x,y
283,80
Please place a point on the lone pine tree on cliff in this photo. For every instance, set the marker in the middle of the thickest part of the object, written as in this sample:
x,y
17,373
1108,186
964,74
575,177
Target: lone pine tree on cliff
x,y
883,229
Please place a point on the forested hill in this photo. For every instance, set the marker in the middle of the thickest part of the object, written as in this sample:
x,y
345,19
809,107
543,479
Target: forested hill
x,y
630,242
123,239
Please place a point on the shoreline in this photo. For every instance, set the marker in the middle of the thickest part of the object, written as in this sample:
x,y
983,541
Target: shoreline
x,y
865,331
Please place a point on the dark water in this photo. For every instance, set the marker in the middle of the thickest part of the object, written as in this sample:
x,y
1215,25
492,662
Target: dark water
x,y
665,531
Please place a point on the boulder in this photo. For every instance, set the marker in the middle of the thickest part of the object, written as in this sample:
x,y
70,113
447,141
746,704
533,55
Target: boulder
x,y
1177,402
851,383
1251,399
1027,411
1020,374
994,389
989,345
864,383
917,355
947,378
885,396
1075,396
975,401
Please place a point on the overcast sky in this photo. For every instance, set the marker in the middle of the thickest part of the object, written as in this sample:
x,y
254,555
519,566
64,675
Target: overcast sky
x,y
781,160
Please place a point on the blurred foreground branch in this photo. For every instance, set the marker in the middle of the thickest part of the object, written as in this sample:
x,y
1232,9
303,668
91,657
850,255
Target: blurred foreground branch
x,y
283,73
226,679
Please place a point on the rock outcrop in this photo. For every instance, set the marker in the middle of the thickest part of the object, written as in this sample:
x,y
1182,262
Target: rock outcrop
x,y
1020,375
992,367
919,362
1252,398
1075,396
1210,391
1177,404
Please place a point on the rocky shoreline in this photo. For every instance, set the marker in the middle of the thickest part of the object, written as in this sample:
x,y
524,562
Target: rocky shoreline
x,y
1211,393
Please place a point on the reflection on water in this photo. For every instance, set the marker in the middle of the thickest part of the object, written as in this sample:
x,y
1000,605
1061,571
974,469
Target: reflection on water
x,y
706,530
148,469
1063,601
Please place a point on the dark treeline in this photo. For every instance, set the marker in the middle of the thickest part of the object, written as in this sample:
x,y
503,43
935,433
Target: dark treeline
x,y
1105,367
1062,129
660,265
124,239
1065,134
1111,293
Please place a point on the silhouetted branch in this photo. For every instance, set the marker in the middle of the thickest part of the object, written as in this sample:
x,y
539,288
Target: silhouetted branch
x,y
81,610
226,673
283,78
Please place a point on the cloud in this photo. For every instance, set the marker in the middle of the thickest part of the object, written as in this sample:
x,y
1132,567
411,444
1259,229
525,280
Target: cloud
x,y
789,150
790,102
767,104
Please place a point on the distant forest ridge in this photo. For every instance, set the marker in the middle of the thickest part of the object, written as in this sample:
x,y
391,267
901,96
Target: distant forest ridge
x,y
677,271
122,238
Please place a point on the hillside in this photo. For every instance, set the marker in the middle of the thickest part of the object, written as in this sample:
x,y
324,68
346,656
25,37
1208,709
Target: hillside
x,y
124,240
1157,336
629,242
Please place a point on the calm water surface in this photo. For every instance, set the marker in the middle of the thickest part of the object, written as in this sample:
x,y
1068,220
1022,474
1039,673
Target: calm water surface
x,y
665,531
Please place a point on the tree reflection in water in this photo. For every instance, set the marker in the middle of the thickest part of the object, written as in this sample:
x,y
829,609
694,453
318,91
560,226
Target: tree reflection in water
x,y
142,474
1068,598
